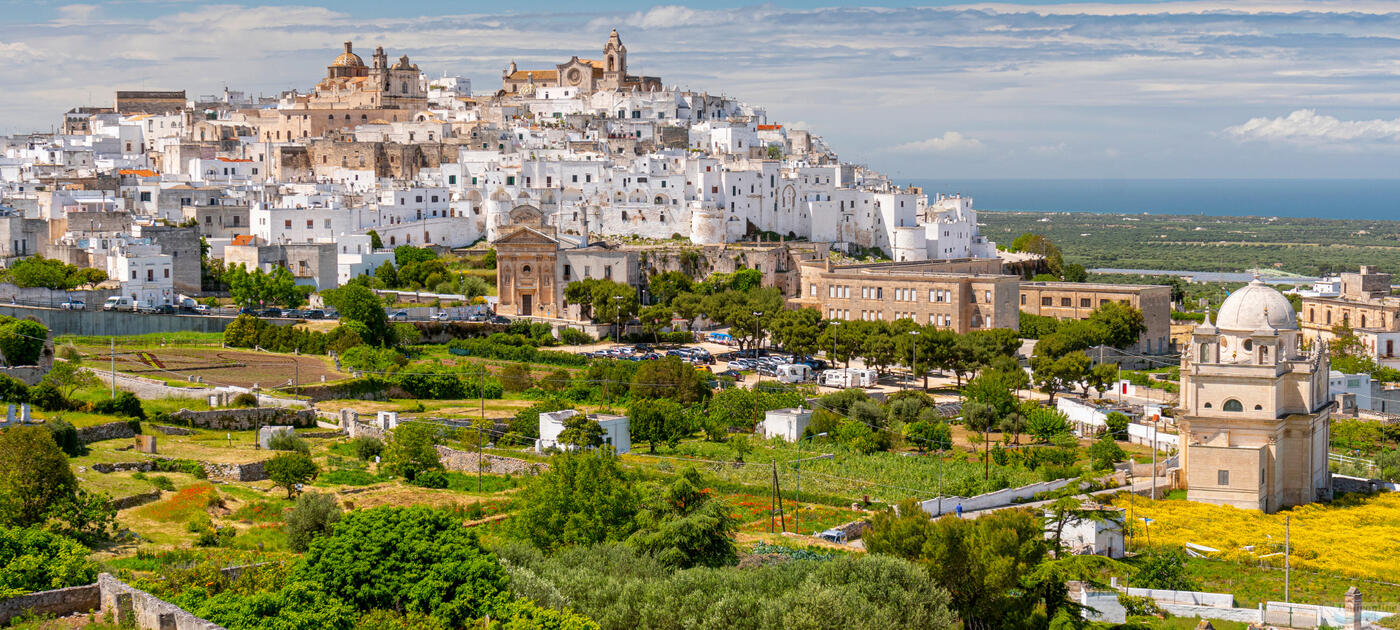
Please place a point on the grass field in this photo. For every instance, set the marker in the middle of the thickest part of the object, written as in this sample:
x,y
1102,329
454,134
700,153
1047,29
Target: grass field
x,y
216,366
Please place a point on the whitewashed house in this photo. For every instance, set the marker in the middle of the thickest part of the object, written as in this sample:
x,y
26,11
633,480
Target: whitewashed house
x,y
616,430
788,424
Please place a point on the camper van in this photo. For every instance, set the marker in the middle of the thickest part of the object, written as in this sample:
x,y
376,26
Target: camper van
x,y
119,303
794,373
847,378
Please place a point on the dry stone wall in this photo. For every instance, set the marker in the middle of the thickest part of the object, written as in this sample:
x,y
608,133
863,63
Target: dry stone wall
x,y
246,419
255,471
132,607
110,431
463,461
59,603
135,500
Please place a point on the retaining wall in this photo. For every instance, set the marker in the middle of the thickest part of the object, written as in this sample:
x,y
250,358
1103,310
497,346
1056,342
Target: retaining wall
x,y
254,471
990,500
135,500
100,323
134,607
1187,598
171,430
110,431
59,603
246,419
105,468
1348,483
463,461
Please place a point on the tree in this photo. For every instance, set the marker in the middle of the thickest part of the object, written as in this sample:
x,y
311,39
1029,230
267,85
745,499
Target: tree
x,y
1101,377
1044,423
313,515
736,309
581,432
669,377
405,255
929,435
665,287
515,377
374,241
22,341
291,470
981,417
658,420
68,378
1122,325
1075,272
32,559
34,476
583,498
412,450
414,559
254,288
1164,569
1055,374
654,318
358,304
1117,424
1037,244
879,348
683,526
796,330
387,275
987,565
1105,452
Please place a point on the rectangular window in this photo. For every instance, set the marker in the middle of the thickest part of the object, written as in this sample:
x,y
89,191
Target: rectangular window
x,y
932,295
1023,299
1045,301
812,291
287,224
1064,301
1222,477
1085,302
510,180
150,275
310,223
167,272
987,297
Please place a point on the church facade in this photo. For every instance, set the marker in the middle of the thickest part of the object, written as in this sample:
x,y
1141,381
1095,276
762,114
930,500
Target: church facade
x,y
1255,412
587,75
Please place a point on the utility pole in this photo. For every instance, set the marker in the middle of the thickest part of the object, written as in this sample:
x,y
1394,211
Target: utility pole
x,y
1287,566
113,356
1153,446
480,454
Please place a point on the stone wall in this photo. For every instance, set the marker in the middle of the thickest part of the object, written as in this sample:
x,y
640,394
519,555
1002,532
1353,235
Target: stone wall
x,y
246,419
135,500
462,461
59,603
355,429
105,468
131,607
254,471
171,430
110,431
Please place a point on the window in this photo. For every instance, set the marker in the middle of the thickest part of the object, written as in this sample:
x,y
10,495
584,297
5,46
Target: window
x,y
1233,405
1064,301
1045,301
167,272
145,195
1222,477
1023,299
310,223
1205,353
287,224
1085,302
150,275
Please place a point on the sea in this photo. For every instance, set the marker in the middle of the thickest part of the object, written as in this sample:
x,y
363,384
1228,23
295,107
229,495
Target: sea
x,y
1370,199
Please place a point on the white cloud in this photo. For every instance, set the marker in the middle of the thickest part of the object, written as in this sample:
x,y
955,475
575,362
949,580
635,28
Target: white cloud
x,y
949,142
1047,149
1306,126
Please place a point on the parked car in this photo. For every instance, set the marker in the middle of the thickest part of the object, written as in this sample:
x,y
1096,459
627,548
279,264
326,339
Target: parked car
x,y
73,305
314,313
248,310
500,319
119,303
399,316
441,316
270,312
200,309
158,309
292,313
332,314
477,317
734,374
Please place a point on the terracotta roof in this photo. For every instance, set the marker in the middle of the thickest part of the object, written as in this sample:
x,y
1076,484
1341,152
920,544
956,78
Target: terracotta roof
x,y
769,127
138,172
593,62
243,239
538,75
224,159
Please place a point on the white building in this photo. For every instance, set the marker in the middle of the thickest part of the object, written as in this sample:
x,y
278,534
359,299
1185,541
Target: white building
x,y
616,432
1102,536
788,424
144,274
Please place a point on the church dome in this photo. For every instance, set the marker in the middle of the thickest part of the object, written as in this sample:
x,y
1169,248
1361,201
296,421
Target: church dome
x,y
348,59
1256,306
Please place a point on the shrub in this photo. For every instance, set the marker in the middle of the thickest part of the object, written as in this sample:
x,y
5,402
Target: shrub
x,y
13,390
291,470
163,483
314,515
126,405
32,559
245,399
366,447
574,337
1105,453
1164,569
288,441
515,378
48,397
438,386
65,436
1117,424
430,479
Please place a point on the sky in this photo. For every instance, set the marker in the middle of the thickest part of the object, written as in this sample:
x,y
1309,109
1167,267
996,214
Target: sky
x,y
920,90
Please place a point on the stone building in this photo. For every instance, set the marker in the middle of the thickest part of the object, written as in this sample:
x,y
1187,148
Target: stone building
x,y
1364,304
534,265
588,75
960,295
1076,300
149,102
1255,410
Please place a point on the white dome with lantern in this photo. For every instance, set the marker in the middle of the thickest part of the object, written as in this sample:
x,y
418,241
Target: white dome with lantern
x,y
1256,306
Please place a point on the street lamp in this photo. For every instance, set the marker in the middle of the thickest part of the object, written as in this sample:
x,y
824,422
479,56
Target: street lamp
x,y
757,333
617,305
797,497
835,326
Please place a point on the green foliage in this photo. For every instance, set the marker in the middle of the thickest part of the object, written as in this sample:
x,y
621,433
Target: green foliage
x,y
735,309
374,241
21,340
32,559
66,436
259,288
37,271
1036,326
682,526
304,604
366,447
412,450
670,378
430,479
583,498
574,337
291,470
1105,452
288,441
516,378
1044,423
526,422
126,405
245,399
581,432
796,330
1117,425
660,420
622,588
67,378
247,331
359,305
413,559
313,515
1164,569
13,390
928,435
372,359
1038,244
34,476
489,260
665,287
502,348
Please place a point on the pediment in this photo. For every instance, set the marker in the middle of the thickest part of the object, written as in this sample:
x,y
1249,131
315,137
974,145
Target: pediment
x,y
524,235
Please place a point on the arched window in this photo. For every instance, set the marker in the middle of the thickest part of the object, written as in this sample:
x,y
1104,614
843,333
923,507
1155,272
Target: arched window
x,y
1233,405
525,270
1207,405
403,87
1205,353
659,200
1363,320
1259,407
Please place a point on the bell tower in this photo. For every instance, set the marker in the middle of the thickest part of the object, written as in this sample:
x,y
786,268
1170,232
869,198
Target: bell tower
x,y
614,59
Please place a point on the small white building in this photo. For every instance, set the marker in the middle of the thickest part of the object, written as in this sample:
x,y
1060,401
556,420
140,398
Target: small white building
x,y
1088,536
616,430
144,274
788,424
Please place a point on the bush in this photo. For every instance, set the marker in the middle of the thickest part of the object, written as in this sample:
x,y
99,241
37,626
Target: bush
x,y
163,483
574,337
48,397
1105,453
313,515
1164,569
65,436
32,559
292,470
366,447
245,399
13,390
126,405
515,378
431,479
288,441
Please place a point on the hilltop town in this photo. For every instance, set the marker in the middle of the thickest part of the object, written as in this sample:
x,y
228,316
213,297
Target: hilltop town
x,y
398,351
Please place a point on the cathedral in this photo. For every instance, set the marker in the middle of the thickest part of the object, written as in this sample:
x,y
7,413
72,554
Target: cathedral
x,y
1255,413
588,75
350,83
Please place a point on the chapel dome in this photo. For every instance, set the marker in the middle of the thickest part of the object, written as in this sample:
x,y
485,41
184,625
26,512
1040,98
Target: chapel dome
x,y
348,59
1254,307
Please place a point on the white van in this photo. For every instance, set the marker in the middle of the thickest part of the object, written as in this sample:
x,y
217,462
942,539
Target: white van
x,y
833,378
119,303
794,373
863,378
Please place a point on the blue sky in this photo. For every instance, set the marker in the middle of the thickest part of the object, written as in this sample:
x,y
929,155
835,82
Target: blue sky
x,y
1255,88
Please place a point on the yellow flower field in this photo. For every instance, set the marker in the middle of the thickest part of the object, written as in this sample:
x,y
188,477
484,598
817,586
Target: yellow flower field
x,y
1355,535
